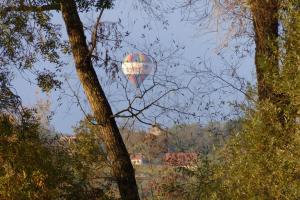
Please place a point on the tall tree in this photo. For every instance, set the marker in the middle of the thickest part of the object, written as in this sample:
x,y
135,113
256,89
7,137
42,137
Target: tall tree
x,y
108,130
272,61
266,25
264,15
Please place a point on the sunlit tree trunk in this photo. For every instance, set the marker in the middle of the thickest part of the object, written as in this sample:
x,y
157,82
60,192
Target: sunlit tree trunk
x,y
265,21
268,70
109,132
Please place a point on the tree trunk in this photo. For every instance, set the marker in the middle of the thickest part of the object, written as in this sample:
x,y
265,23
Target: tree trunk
x,y
109,132
265,21
265,15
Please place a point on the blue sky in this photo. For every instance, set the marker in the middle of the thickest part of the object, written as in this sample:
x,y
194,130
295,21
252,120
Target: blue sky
x,y
201,43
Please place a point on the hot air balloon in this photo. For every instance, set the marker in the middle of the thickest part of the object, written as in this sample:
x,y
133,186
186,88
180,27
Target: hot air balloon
x,y
137,66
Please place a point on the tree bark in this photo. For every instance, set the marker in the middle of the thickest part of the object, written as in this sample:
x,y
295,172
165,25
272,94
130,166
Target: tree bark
x,y
109,132
265,21
265,15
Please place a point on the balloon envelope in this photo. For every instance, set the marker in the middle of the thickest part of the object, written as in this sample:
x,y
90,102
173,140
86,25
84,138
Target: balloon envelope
x,y
137,66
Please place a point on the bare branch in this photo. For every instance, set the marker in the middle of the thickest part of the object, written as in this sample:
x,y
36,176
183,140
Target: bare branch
x,y
94,34
79,104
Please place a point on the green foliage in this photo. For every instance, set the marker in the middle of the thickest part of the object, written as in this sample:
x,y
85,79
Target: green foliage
x,y
8,100
184,183
29,168
35,166
195,138
90,162
29,38
261,160
86,5
46,81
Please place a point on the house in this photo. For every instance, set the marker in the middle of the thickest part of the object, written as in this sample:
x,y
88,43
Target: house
x,y
180,159
156,130
137,159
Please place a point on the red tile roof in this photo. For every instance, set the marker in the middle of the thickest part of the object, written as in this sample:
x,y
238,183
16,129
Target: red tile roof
x,y
181,159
